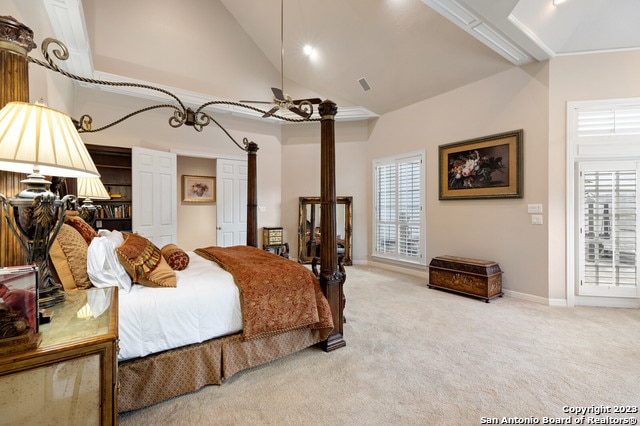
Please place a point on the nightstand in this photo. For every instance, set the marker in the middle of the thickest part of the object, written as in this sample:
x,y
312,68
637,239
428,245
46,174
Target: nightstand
x,y
273,241
279,249
272,236
71,377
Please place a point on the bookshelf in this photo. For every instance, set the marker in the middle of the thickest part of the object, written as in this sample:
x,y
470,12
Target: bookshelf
x,y
114,165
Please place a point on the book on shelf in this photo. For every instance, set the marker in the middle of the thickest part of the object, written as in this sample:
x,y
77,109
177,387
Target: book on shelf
x,y
110,211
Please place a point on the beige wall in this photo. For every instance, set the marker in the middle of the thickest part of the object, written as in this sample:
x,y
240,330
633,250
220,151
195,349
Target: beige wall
x,y
156,51
532,98
194,218
494,229
301,178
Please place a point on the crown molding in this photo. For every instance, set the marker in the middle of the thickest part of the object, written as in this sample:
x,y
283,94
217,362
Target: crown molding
x,y
548,52
473,24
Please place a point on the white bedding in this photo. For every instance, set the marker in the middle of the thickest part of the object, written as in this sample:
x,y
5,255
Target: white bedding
x,y
205,304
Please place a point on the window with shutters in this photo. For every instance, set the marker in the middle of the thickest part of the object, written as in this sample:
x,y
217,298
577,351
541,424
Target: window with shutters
x,y
399,218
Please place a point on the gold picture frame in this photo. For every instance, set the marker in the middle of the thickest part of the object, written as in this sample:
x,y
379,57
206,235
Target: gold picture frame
x,y
198,189
486,167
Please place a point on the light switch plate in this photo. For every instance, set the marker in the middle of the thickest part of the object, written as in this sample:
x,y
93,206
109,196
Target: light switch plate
x,y
534,208
536,219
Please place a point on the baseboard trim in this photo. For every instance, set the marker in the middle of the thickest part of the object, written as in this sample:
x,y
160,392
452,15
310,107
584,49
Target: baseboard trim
x,y
524,296
415,272
560,303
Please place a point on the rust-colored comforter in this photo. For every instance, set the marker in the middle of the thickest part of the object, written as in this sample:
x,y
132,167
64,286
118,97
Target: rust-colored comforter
x,y
276,294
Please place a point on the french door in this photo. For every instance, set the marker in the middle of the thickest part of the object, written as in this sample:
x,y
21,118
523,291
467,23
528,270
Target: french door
x,y
608,228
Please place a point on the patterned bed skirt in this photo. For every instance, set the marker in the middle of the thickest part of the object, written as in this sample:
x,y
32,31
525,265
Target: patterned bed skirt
x,y
146,381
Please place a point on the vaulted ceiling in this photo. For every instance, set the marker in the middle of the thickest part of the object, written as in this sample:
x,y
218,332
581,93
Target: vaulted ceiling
x,y
405,50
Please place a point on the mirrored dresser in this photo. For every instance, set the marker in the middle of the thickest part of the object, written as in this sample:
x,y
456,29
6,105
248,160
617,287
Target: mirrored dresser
x,y
71,377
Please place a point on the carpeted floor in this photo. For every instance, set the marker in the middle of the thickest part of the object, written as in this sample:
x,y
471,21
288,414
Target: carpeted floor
x,y
428,357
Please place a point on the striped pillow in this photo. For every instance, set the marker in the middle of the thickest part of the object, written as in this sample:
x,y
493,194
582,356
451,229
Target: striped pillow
x,y
144,263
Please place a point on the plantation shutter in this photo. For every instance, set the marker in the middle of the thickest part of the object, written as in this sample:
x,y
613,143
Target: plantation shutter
x,y
398,210
608,228
612,120
409,207
386,209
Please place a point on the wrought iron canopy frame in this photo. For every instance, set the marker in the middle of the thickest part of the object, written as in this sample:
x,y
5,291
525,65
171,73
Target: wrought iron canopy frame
x,y
182,115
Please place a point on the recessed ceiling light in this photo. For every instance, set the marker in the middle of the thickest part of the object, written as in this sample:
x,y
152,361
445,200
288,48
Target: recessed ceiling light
x,y
308,50
557,2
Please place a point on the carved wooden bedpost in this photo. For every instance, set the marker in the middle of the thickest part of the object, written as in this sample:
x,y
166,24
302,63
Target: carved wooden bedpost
x,y
16,40
252,195
331,279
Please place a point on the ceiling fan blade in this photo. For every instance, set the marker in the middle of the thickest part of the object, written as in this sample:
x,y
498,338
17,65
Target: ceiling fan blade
x,y
300,112
277,93
310,100
255,102
270,112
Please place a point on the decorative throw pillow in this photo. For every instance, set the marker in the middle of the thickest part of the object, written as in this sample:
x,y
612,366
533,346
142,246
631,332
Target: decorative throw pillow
x,y
68,255
144,263
87,232
175,257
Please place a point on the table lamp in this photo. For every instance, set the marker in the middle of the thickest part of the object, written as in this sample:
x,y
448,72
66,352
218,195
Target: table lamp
x,y
40,141
91,189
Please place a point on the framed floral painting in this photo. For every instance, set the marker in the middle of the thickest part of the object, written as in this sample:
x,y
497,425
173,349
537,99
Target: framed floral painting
x,y
486,167
198,189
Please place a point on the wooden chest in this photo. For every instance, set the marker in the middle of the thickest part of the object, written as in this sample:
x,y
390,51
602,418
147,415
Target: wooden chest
x,y
478,278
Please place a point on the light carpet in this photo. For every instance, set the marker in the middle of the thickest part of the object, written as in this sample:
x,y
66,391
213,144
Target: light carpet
x,y
422,356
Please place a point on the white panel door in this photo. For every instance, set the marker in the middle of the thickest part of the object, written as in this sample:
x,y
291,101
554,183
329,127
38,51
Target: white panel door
x,y
231,202
154,195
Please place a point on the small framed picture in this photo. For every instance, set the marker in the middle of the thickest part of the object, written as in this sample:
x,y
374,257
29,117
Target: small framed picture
x,y
198,189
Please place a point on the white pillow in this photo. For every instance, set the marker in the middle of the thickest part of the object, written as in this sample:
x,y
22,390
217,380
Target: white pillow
x,y
103,267
114,236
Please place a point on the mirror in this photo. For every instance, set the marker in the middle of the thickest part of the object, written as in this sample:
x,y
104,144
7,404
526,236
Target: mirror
x,y
309,238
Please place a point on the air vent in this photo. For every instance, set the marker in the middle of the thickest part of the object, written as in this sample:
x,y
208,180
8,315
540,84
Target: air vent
x,y
365,85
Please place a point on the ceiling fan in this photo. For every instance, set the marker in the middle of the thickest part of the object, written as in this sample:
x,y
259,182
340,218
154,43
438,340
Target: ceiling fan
x,y
302,107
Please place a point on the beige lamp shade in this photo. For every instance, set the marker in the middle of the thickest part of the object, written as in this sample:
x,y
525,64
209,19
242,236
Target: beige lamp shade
x,y
92,188
35,136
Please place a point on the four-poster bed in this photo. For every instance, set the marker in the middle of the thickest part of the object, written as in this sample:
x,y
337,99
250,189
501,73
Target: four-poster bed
x,y
146,380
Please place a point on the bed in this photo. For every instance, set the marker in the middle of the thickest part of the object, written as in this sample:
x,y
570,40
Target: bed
x,y
166,350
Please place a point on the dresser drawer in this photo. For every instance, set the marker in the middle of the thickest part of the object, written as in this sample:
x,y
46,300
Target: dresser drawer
x,y
272,236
